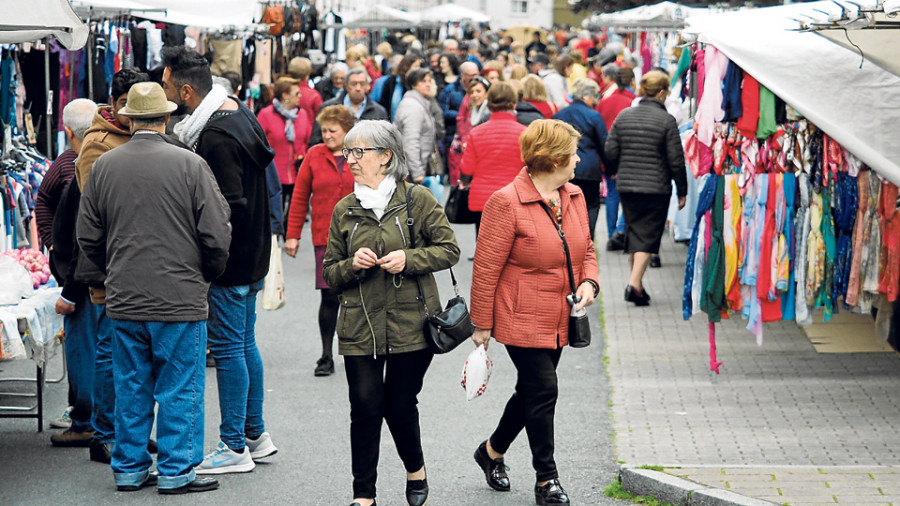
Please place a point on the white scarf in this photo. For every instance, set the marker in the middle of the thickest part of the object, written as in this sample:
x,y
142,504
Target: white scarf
x,y
188,130
378,198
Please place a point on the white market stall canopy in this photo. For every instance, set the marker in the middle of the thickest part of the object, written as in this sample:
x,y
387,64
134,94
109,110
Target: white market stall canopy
x,y
858,106
36,19
200,13
453,12
664,15
382,16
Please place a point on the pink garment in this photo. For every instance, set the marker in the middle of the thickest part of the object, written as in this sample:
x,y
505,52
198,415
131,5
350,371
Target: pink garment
x,y
646,54
709,110
286,153
700,63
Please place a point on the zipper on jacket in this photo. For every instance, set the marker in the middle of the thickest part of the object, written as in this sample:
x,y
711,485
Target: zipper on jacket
x,y
400,227
350,240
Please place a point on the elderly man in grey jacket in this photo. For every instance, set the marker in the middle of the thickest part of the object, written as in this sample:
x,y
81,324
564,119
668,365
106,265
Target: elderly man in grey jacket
x,y
153,218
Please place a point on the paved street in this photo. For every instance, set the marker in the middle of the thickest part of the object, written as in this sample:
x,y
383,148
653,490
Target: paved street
x,y
309,421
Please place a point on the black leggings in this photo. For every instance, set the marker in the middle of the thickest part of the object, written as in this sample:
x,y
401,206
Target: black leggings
x,y
384,388
328,314
532,407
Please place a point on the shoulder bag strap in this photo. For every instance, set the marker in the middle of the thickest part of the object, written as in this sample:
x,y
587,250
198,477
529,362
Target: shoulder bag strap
x,y
410,221
562,235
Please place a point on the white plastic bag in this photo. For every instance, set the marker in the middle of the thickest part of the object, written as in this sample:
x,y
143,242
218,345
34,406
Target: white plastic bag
x,y
273,291
476,372
15,281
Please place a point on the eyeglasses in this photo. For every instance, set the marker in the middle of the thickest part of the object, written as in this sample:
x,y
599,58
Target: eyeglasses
x,y
358,152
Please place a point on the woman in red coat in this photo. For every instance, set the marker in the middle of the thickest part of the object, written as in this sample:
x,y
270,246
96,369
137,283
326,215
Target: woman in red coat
x,y
323,180
492,157
519,287
287,128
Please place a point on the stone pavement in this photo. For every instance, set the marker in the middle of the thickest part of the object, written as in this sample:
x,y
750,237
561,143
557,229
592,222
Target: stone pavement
x,y
781,422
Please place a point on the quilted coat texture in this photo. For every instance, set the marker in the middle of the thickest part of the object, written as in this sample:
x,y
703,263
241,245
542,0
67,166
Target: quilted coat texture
x,y
520,279
492,157
645,150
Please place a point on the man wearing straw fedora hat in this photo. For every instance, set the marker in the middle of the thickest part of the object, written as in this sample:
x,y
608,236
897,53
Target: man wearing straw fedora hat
x,y
153,217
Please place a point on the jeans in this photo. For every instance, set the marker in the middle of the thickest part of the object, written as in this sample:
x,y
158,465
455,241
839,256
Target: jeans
x,y
80,352
615,222
103,418
160,363
384,388
532,407
239,367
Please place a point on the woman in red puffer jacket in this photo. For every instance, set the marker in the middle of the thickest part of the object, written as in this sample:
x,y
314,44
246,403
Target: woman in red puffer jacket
x,y
492,157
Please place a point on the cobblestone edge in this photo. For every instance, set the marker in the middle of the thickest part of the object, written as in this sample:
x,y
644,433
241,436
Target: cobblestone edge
x,y
679,491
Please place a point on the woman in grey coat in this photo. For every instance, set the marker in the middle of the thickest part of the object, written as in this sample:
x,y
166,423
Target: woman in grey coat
x,y
416,123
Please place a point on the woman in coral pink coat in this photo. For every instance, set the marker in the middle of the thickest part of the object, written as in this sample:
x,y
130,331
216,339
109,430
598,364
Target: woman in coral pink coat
x,y
519,287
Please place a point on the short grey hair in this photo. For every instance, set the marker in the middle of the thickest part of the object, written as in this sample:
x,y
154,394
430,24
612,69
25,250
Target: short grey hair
x,y
467,65
378,133
451,44
583,87
337,66
610,70
78,116
355,72
157,121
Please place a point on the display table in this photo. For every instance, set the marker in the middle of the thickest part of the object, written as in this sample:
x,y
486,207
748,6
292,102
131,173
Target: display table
x,y
31,329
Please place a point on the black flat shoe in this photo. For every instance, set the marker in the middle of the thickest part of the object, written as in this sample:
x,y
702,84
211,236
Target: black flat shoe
x,y
549,494
200,484
417,492
151,481
655,262
494,469
631,295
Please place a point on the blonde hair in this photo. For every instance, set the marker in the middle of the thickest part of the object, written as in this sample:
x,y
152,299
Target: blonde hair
x,y
654,82
547,144
355,54
517,71
533,89
300,68
385,49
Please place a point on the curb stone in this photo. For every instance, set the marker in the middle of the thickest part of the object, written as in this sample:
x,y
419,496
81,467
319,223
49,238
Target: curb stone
x,y
679,491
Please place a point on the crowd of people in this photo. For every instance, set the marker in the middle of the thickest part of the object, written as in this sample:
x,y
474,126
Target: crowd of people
x,y
538,134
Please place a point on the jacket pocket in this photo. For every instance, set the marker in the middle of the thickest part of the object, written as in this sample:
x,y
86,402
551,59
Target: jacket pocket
x,y
352,326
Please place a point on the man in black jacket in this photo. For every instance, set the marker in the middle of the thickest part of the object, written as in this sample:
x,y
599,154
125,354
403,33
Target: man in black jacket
x,y
226,134
354,98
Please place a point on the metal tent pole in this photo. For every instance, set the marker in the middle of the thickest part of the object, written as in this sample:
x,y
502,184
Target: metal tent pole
x,y
48,127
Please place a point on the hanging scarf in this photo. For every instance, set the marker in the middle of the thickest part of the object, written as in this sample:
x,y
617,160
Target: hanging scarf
x,y
376,199
188,130
289,117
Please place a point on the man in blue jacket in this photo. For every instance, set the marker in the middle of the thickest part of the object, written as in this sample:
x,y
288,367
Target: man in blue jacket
x,y
589,123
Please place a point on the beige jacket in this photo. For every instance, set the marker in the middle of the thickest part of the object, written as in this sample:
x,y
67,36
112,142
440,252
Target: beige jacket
x,y
101,137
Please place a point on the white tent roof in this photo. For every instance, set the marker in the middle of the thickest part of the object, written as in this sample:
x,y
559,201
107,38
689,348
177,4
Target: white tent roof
x,y
662,15
857,106
383,16
202,13
36,19
453,12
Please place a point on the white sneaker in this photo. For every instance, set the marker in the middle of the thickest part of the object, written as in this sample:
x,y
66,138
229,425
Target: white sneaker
x,y
261,447
64,421
224,460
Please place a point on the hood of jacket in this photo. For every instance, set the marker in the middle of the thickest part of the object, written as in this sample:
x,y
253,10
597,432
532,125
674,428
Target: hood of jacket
x,y
243,127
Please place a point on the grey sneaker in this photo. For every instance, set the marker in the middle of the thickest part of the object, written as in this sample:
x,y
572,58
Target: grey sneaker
x,y
225,460
261,447
64,421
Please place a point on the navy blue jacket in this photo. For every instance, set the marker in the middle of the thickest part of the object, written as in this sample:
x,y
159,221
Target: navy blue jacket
x,y
590,125
451,99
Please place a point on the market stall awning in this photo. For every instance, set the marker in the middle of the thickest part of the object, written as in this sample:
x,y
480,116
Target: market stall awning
x,y
382,16
200,13
35,19
453,12
855,101
664,15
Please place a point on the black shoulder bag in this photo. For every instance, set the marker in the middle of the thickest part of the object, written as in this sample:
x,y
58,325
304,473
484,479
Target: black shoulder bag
x,y
449,328
579,325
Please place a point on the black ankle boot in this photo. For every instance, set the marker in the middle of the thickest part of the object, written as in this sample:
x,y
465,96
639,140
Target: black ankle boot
x,y
417,492
549,494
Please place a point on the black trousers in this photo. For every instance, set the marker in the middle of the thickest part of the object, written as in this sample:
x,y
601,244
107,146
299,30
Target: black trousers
x,y
384,388
591,190
532,407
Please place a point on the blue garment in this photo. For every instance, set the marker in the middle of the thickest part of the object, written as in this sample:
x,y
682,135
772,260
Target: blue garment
x,y
349,105
80,352
104,399
239,367
589,123
615,221
789,298
377,88
159,363
731,93
844,211
8,91
450,100
276,211
704,204
474,59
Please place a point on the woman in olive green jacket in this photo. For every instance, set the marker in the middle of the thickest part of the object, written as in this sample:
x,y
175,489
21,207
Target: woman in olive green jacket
x,y
380,327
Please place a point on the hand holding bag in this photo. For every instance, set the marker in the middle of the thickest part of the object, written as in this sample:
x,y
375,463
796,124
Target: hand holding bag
x,y
579,325
444,331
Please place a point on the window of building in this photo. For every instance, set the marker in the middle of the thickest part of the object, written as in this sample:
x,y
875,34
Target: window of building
x,y
520,6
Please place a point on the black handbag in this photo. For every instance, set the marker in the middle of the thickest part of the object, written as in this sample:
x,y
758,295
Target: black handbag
x,y
579,325
446,330
457,207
